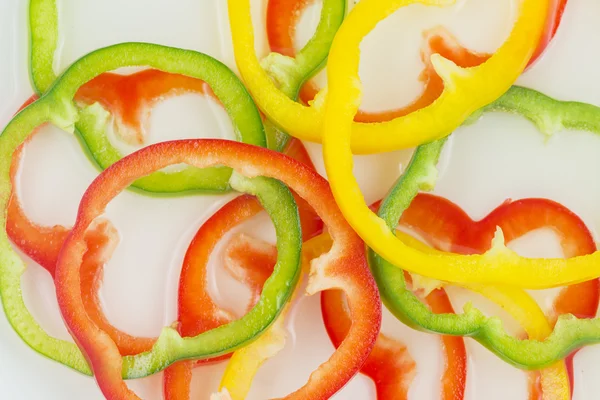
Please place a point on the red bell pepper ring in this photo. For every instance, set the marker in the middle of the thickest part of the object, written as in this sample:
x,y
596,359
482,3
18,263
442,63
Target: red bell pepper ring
x,y
283,16
389,366
194,302
448,227
344,267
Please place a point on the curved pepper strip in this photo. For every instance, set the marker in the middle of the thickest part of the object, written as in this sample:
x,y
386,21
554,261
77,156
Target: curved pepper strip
x,y
43,244
344,267
44,27
569,333
283,16
197,311
57,107
447,226
499,265
101,351
520,305
425,125
392,379
92,121
248,254
194,300
390,366
129,99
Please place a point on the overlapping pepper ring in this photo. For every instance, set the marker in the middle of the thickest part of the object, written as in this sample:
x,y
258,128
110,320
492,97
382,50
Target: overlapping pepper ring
x,y
56,106
430,123
44,27
344,267
569,333
499,265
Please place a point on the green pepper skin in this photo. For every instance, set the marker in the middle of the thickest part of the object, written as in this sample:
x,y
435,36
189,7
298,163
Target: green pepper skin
x,y
227,87
170,347
56,106
43,22
549,115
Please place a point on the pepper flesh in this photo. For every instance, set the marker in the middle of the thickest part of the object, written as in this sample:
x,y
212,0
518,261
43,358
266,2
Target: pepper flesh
x,y
344,267
101,351
248,254
499,265
56,106
392,379
525,354
193,297
307,123
554,380
282,17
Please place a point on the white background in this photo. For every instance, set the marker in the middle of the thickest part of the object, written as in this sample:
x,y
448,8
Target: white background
x,y
500,157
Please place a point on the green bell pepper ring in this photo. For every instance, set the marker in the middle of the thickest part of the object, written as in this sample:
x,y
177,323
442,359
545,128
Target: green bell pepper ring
x,y
56,106
92,120
291,73
549,115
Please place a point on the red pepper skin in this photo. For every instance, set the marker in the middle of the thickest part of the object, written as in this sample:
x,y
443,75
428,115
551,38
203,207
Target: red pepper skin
x,y
194,302
346,267
197,311
448,227
389,366
283,16
454,379
130,97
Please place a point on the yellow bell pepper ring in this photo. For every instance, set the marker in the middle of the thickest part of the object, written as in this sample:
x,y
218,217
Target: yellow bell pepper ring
x,y
480,85
499,265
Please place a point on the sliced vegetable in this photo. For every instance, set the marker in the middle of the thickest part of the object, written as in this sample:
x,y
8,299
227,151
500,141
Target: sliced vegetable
x,y
499,265
344,267
252,256
283,16
57,107
554,380
306,122
194,300
569,333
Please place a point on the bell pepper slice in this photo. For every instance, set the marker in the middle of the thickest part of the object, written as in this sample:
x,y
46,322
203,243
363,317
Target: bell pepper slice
x,y
129,98
344,267
282,20
146,87
554,380
253,257
101,351
307,122
497,266
569,333
194,300
389,365
43,25
197,311
56,106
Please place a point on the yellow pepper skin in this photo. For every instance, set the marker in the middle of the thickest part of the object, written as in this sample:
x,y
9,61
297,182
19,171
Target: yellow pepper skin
x,y
480,85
